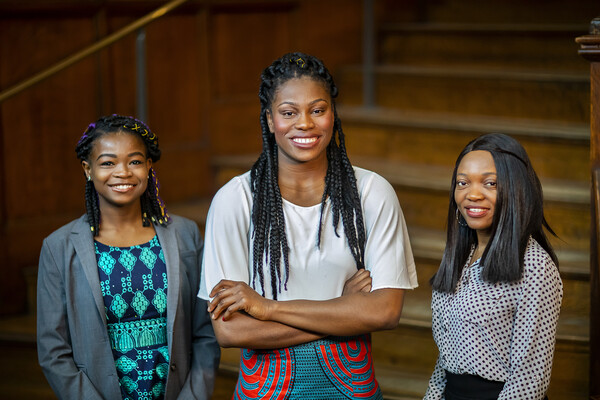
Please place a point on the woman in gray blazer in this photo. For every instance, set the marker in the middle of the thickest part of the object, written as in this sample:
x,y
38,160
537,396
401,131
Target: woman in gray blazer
x,y
118,315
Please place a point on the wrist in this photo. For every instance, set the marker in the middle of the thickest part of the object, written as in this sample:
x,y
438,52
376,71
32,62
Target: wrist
x,y
271,310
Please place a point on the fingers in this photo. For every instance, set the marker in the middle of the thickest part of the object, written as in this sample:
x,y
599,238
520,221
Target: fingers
x,y
223,284
361,281
221,303
231,296
225,298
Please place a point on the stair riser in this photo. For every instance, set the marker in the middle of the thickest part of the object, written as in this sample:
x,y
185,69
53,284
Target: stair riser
x,y
429,209
556,159
575,306
516,12
413,348
540,50
566,101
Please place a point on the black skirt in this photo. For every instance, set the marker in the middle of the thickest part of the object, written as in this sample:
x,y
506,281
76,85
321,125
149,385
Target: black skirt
x,y
472,387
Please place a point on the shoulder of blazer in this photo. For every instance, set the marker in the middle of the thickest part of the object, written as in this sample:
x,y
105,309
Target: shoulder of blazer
x,y
183,227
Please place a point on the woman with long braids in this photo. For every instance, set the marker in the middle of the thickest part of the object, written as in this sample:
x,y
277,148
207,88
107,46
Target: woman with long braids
x,y
497,294
118,315
305,254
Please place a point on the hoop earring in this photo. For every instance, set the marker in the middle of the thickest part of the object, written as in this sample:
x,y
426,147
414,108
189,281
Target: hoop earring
x,y
460,219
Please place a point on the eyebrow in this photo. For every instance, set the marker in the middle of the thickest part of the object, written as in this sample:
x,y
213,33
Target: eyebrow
x,y
294,104
485,173
135,153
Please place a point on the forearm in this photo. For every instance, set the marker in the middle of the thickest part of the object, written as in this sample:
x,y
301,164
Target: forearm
x,y
244,331
353,314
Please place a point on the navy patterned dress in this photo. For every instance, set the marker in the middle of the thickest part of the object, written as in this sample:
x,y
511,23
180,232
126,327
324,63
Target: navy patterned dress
x,y
134,286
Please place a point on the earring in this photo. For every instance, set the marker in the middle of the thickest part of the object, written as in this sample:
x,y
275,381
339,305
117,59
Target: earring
x,y
89,178
460,219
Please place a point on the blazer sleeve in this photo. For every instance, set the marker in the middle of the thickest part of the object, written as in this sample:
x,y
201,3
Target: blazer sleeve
x,y
55,353
206,352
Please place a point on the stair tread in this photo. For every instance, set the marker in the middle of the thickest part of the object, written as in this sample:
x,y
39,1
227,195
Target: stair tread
x,y
429,177
437,178
426,243
471,72
473,28
550,129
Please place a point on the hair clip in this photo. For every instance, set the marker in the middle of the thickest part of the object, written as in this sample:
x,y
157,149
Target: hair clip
x,y
299,62
139,128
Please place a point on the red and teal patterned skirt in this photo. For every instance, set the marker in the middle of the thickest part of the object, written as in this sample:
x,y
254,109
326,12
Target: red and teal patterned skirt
x,y
330,368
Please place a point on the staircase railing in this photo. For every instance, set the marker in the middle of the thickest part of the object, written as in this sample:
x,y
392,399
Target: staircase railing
x,y
590,50
92,49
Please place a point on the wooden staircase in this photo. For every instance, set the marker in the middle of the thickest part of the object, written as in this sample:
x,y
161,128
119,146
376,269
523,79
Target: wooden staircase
x,y
466,69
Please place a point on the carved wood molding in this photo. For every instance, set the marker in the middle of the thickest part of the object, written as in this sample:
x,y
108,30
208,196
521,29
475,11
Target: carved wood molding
x,y
589,45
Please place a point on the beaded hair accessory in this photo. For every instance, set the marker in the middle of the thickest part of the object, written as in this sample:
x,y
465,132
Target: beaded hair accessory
x,y
161,203
85,134
142,130
299,62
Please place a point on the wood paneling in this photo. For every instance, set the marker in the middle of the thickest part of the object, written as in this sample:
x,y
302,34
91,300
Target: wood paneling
x,y
203,67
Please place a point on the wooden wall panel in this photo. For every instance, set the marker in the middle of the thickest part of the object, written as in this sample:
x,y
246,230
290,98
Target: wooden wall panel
x,y
204,65
178,98
41,175
330,30
242,45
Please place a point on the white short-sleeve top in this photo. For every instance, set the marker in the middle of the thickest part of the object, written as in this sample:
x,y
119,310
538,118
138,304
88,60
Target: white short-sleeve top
x,y
315,273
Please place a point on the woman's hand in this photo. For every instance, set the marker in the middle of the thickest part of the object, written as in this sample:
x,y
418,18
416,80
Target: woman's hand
x,y
359,282
232,296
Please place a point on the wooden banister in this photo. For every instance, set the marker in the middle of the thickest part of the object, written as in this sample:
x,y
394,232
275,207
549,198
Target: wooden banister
x,y
589,48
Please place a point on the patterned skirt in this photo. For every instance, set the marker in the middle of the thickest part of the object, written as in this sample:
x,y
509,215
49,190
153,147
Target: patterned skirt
x,y
330,368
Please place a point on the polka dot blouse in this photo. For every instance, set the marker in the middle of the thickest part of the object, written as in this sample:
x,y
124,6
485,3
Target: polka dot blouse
x,y
502,332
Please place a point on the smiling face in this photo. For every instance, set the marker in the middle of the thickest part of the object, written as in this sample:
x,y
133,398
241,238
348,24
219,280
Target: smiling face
x,y
119,168
476,190
301,118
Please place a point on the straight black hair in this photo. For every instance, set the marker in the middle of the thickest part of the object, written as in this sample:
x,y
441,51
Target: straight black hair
x,y
518,215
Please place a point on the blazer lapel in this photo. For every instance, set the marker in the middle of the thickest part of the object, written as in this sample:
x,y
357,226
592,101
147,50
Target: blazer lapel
x,y
83,241
170,248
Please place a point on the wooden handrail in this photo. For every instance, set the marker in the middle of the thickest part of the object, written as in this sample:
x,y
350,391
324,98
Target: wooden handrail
x,y
590,50
80,55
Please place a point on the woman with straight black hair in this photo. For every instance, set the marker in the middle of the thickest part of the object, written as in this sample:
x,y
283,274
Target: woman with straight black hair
x,y
497,294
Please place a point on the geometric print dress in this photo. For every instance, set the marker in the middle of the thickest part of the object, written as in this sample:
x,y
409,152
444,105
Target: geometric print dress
x,y
134,287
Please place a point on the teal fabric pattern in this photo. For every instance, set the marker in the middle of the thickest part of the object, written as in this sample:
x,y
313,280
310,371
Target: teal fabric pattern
x,y
133,281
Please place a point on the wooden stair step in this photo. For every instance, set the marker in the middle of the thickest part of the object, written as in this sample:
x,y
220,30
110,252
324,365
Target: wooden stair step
x,y
469,123
425,187
429,245
557,149
420,176
525,94
436,178
493,45
471,11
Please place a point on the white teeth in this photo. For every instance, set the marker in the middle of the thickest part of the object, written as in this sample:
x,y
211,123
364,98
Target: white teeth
x,y
476,209
305,140
122,187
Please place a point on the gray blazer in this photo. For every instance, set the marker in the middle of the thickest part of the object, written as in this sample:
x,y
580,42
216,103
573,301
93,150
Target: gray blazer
x,y
73,345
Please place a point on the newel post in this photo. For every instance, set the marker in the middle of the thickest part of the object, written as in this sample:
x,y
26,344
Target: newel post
x,y
589,48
